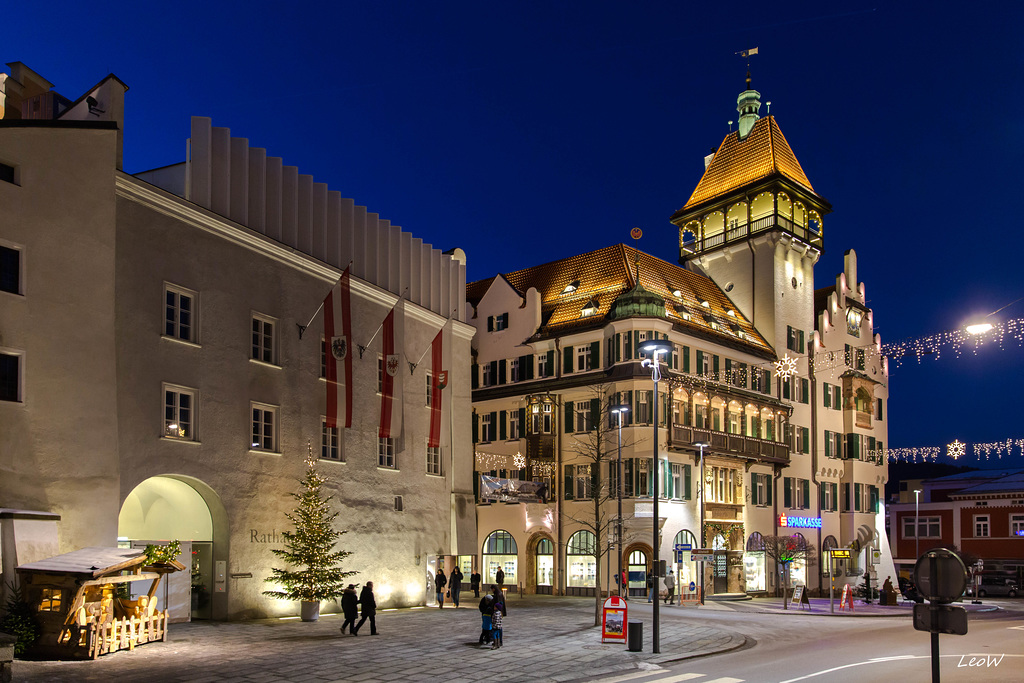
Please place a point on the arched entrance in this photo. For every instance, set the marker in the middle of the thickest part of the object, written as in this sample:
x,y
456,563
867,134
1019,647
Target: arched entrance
x,y
687,569
172,507
636,573
754,566
500,552
581,562
545,563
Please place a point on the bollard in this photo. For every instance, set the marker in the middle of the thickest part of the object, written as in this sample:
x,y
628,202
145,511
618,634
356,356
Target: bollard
x,y
635,636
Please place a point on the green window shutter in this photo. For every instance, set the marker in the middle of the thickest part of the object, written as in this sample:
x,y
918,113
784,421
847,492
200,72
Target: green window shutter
x,y
835,496
618,347
627,477
474,376
595,413
828,444
785,387
880,412
714,365
821,496
567,360
504,320
857,495
570,424
767,387
494,372
522,422
687,482
826,395
769,484
807,493
636,343
787,492
686,359
527,362
502,371
627,346
700,361
490,323
476,428
550,355
651,474
502,425
753,488
805,393
595,355
807,439
494,426
476,486
874,499
846,496
800,336
569,483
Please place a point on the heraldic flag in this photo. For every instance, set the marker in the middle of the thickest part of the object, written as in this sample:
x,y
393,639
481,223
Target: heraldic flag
x,y
338,338
391,381
440,361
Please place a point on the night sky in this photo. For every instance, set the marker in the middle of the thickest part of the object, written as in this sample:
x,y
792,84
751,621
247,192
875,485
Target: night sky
x,y
526,132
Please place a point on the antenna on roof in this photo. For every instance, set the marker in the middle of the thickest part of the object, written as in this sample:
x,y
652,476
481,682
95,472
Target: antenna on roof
x,y
769,110
730,125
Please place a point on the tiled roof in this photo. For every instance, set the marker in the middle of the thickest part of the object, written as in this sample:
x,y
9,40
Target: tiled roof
x,y
601,276
737,163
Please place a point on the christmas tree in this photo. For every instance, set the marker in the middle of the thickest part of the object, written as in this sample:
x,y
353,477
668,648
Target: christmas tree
x,y
310,548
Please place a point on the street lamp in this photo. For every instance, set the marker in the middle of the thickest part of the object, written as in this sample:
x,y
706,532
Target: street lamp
x,y
654,348
702,445
619,410
917,524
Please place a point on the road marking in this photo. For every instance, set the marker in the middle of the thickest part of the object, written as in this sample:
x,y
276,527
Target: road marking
x,y
878,660
662,678
628,677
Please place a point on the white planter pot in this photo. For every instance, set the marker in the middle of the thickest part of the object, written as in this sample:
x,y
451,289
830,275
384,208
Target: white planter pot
x,y
310,610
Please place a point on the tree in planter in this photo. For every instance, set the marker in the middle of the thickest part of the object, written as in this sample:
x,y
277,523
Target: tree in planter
x,y
310,549
596,452
784,550
19,620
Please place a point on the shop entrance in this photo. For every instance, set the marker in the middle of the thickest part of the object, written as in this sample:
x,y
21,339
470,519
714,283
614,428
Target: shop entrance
x,y
168,508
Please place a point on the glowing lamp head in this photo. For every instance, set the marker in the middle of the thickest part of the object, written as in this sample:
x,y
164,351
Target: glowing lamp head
x,y
978,328
655,347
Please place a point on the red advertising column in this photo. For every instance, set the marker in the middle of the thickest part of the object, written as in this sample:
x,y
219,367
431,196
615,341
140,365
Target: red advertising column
x,y
613,621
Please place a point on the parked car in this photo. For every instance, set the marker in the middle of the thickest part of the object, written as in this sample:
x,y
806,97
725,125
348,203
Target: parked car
x,y
996,586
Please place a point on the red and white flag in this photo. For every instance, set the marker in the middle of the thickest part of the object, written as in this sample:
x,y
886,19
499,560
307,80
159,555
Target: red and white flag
x,y
440,362
392,376
338,338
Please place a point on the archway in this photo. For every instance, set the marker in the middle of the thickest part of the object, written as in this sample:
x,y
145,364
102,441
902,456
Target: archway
x,y
173,507
500,552
636,572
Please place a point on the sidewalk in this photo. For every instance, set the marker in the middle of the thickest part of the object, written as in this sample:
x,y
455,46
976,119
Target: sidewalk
x,y
546,639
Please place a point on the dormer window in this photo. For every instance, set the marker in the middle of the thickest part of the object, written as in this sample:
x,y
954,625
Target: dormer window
x,y
677,294
497,323
590,309
571,287
731,313
705,303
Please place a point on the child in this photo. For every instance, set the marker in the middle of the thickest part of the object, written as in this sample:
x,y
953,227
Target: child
x,y
496,619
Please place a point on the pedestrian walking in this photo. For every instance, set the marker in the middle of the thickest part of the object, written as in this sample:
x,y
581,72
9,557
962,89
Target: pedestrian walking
x,y
439,583
455,586
474,583
650,586
369,607
486,612
670,588
350,607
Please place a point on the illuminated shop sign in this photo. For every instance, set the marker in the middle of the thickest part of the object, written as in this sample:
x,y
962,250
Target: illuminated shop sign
x,y
802,522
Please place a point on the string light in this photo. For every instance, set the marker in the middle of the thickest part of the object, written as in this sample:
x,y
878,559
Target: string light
x,y
786,366
958,341
955,451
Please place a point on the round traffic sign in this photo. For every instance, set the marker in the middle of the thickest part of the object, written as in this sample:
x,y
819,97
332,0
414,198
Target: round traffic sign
x,y
693,586
940,575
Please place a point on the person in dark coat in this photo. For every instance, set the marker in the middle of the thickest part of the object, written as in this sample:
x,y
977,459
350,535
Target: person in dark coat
x,y
350,606
439,583
486,611
369,604
499,577
455,586
474,583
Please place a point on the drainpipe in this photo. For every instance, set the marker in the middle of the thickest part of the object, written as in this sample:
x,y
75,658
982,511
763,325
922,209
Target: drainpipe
x,y
814,449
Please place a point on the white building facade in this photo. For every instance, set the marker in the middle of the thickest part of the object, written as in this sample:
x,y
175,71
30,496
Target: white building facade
x,y
158,386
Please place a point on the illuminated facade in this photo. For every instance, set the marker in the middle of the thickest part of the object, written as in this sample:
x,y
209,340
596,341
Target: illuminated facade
x,y
784,384
156,386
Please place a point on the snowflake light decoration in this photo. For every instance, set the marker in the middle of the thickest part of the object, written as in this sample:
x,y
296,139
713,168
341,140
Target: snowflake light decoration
x,y
786,366
519,461
956,449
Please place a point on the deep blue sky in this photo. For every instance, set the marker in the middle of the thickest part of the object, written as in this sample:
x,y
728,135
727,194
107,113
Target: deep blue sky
x,y
525,132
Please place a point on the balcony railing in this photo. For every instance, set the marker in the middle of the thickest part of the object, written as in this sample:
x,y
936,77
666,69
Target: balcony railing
x,y
739,232
731,443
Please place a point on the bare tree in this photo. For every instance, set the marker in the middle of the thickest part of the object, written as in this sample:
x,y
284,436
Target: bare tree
x,y
596,452
783,551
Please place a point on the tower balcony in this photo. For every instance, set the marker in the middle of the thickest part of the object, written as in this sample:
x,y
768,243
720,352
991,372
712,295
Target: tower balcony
x,y
691,244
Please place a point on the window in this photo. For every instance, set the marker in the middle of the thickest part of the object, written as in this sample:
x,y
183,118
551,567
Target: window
x,y
678,481
7,173
927,527
497,323
582,415
796,493
264,427
263,339
828,496
584,482
860,359
981,526
329,445
386,453
514,370
434,460
179,413
833,444
488,377
430,389
323,358
487,427
514,428
50,600
761,489
10,376
548,413
878,409
10,269
643,407
1017,525
794,339
179,314
582,358
543,365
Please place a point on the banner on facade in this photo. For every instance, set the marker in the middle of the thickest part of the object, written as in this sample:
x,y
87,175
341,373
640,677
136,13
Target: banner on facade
x,y
498,490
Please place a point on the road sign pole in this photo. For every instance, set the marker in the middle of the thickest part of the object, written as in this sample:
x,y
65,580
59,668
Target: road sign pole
x,y
831,583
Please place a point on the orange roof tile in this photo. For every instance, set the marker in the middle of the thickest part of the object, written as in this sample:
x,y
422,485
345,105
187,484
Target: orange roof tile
x,y
737,163
604,274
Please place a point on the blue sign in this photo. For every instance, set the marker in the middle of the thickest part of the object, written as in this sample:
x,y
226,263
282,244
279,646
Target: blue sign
x,y
684,546
693,586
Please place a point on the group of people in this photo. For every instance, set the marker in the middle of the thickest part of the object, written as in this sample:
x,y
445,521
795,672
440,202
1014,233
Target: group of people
x,y
492,612
451,586
350,607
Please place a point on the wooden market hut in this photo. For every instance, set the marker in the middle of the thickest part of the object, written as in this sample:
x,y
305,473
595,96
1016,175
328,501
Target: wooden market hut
x,y
79,612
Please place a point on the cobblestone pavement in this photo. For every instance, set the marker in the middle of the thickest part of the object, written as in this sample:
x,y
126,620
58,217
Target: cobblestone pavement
x,y
546,639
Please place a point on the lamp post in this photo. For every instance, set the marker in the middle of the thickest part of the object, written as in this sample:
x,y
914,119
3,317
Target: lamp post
x,y
917,524
702,445
619,410
654,348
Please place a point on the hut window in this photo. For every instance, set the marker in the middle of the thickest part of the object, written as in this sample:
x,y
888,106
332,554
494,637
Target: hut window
x,y
51,600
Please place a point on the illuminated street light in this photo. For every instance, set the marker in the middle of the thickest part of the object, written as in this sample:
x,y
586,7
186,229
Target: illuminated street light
x,y
655,348
979,328
917,523
619,410
702,445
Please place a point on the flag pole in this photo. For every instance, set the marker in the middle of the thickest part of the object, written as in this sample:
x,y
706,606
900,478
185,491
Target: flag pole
x,y
364,347
302,328
412,366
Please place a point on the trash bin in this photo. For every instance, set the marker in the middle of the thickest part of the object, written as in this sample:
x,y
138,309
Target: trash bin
x,y
635,636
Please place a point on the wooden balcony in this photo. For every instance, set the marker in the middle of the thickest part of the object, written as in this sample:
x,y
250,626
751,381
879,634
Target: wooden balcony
x,y
734,444
736,233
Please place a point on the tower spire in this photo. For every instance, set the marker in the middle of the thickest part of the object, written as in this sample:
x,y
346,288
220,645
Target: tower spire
x,y
749,102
